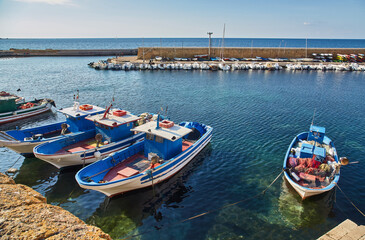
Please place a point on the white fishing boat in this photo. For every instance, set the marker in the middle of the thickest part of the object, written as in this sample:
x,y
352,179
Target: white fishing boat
x,y
311,163
14,108
24,140
166,149
112,133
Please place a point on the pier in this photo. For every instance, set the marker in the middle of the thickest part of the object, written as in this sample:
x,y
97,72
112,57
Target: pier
x,y
347,230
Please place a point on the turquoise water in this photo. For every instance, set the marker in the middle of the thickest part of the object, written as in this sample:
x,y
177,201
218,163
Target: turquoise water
x,y
255,115
117,43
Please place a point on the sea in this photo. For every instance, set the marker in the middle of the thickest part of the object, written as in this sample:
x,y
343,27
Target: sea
x,y
255,116
133,43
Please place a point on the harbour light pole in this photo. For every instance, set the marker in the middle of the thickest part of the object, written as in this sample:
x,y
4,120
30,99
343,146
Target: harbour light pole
x,y
210,42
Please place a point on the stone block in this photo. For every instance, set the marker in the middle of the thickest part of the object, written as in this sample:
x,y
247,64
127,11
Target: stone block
x,y
348,224
326,237
346,237
357,233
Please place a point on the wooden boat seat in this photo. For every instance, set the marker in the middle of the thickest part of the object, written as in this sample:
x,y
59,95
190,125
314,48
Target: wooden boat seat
x,y
76,149
128,172
80,146
186,145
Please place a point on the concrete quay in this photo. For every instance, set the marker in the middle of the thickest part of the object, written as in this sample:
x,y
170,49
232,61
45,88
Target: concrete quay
x,y
347,230
25,214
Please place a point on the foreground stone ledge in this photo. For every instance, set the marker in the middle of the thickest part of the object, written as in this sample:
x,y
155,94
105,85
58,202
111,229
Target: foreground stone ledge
x,y
24,214
347,230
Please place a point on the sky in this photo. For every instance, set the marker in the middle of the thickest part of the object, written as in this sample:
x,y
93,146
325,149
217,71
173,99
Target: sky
x,y
179,19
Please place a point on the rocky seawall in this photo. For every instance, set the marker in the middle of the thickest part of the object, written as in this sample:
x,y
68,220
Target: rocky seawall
x,y
25,214
66,52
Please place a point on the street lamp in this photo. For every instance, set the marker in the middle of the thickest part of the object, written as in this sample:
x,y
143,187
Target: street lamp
x,y
210,42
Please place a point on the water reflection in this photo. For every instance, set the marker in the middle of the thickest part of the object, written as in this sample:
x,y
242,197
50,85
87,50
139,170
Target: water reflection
x,y
310,212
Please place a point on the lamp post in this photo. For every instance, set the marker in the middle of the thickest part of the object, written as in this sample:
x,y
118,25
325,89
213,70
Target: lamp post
x,y
210,42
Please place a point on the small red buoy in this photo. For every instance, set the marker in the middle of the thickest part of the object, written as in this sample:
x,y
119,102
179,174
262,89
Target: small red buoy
x,y
166,124
119,113
86,107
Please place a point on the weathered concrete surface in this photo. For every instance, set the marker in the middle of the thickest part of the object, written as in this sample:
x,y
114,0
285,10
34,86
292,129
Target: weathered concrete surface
x,y
347,230
65,52
189,52
24,214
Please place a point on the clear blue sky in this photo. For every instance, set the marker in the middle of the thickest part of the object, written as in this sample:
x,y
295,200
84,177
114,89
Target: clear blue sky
x,y
186,18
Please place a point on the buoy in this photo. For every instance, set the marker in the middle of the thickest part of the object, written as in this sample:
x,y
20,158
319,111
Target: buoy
x,y
12,170
86,107
97,154
344,161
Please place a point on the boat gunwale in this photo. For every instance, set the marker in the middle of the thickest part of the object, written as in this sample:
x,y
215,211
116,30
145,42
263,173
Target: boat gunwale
x,y
104,147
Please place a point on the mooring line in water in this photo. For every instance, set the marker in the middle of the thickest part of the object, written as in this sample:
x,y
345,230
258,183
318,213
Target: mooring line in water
x,y
210,211
351,201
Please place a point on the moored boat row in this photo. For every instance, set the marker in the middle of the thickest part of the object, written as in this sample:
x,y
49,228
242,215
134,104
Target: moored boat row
x,y
227,66
138,150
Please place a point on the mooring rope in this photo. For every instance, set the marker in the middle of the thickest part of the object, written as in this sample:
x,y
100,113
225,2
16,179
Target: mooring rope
x,y
210,211
351,201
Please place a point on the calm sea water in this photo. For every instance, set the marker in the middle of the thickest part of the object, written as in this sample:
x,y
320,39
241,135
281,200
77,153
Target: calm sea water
x,y
255,115
120,43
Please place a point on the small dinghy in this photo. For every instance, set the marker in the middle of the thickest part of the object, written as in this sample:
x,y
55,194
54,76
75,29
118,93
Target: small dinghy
x,y
311,163
23,141
13,108
112,133
167,148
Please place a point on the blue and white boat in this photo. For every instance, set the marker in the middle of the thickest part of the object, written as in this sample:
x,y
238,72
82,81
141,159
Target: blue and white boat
x,y
311,163
23,141
112,133
167,148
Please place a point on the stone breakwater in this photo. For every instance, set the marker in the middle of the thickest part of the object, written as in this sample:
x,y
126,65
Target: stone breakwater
x,y
65,52
25,214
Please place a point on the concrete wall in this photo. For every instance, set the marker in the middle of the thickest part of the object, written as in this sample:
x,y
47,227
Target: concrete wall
x,y
188,52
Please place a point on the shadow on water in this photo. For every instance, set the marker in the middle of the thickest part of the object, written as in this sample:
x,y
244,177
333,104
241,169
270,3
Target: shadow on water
x,y
36,174
57,186
123,214
66,189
